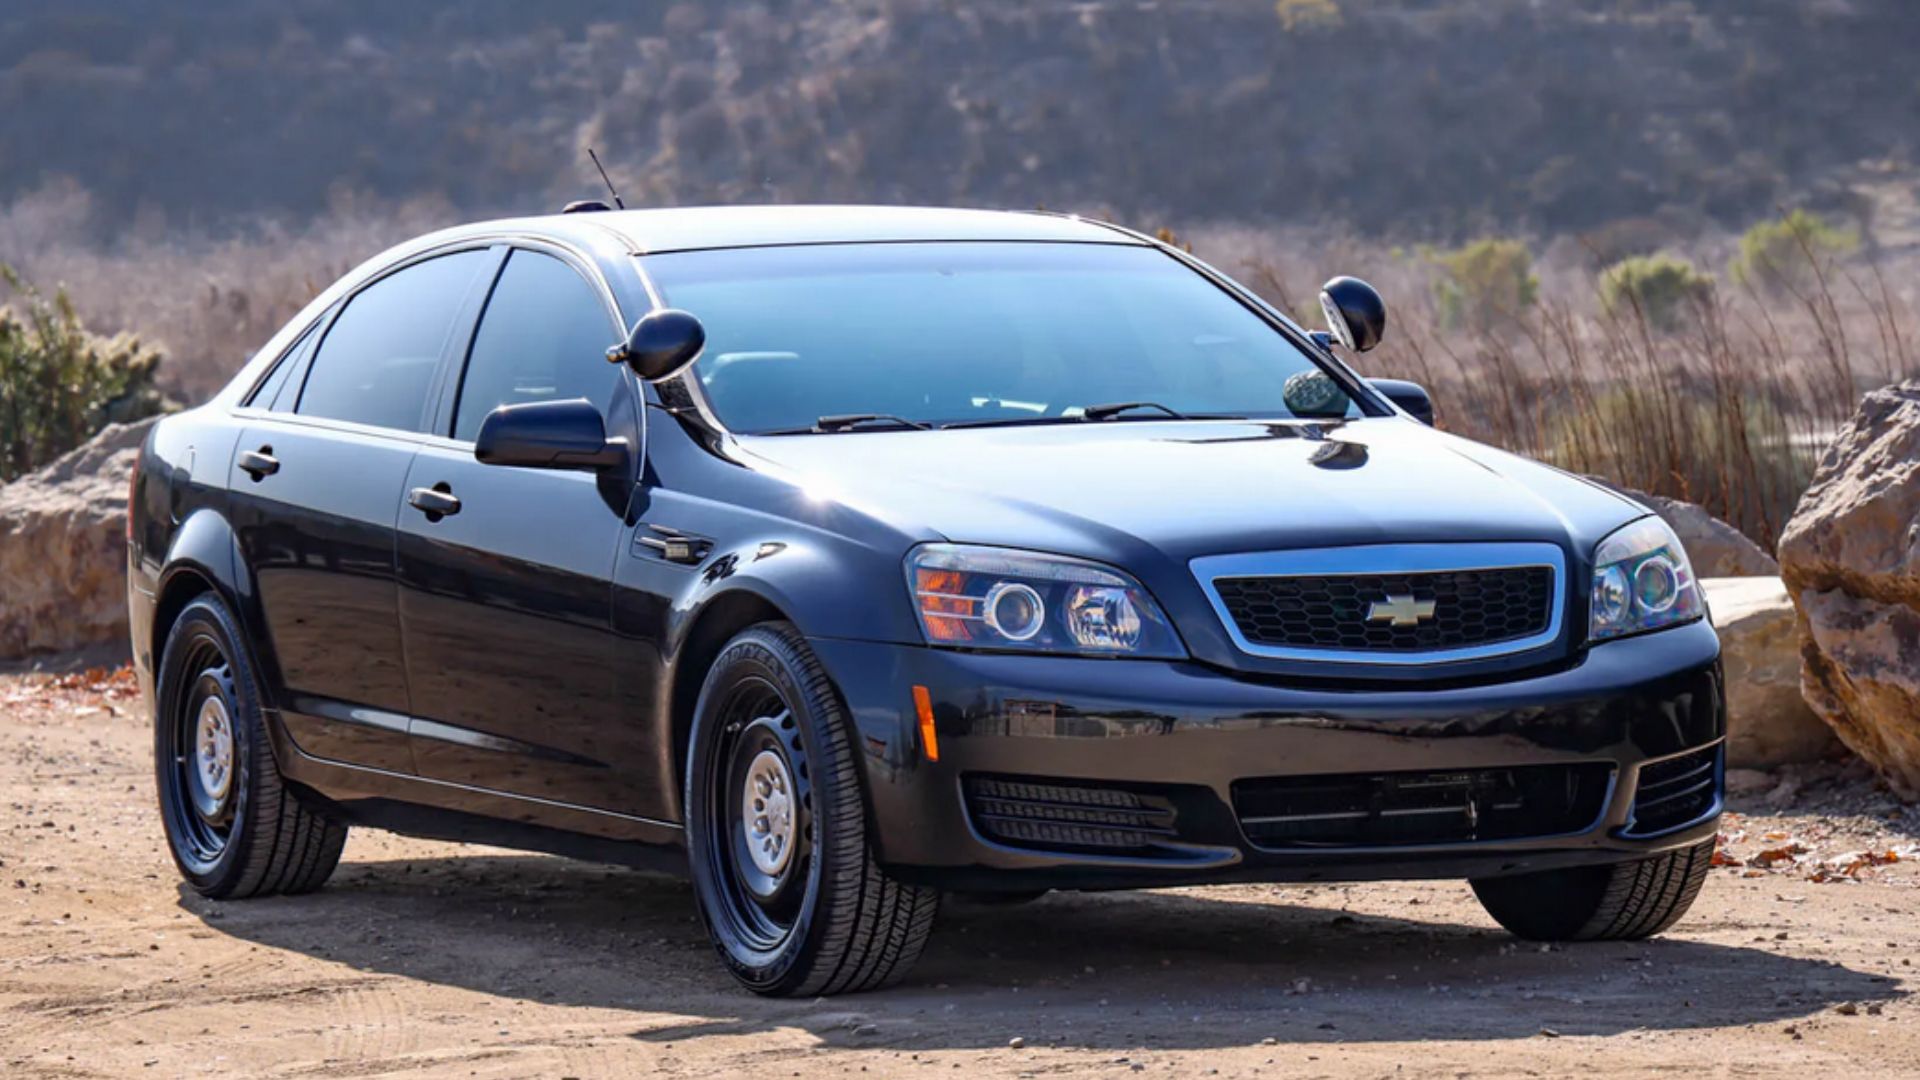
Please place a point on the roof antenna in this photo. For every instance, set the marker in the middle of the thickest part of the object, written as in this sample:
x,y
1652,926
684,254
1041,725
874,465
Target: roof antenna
x,y
606,179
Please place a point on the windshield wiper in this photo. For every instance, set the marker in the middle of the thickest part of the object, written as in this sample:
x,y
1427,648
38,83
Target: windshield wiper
x,y
1011,421
1086,415
854,420
1108,412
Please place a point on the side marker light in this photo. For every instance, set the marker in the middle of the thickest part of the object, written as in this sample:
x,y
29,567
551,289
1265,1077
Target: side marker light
x,y
923,707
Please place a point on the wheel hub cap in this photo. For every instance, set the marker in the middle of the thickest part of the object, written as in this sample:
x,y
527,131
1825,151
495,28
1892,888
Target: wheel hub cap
x,y
767,813
213,748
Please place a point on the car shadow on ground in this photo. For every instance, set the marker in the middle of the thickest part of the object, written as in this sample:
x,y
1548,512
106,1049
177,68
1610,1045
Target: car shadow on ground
x,y
1116,970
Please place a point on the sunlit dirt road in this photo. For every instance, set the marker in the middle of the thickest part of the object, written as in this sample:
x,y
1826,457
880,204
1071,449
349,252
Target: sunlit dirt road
x,y
443,960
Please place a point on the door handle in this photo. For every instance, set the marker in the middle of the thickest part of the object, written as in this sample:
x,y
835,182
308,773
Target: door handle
x,y
436,502
259,463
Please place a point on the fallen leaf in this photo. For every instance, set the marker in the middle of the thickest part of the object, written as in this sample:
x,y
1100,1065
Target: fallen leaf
x,y
1851,865
1786,853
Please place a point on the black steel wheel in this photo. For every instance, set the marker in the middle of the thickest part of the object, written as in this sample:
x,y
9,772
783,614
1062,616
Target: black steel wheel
x,y
776,830
233,828
196,753
762,809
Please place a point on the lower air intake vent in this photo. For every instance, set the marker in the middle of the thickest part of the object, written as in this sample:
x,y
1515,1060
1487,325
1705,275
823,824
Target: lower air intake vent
x,y
1677,791
1066,816
1389,809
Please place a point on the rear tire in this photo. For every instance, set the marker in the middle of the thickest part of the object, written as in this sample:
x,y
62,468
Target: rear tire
x,y
777,830
1622,902
232,826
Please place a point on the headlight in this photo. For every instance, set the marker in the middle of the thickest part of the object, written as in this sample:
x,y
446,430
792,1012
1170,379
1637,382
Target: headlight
x,y
999,598
1641,581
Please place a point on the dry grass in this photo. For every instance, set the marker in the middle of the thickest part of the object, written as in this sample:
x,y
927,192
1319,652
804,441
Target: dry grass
x,y
1730,410
208,299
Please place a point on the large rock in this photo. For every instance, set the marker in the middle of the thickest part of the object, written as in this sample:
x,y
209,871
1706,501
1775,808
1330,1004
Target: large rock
x,y
1851,559
1768,722
63,549
1714,548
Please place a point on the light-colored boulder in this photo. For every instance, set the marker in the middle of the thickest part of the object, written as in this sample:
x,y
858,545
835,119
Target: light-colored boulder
x,y
1768,722
1851,559
63,549
1714,548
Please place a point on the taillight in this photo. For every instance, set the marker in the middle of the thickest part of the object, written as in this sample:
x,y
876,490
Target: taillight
x,y
133,487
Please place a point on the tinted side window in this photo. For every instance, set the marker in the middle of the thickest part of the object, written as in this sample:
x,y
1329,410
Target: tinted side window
x,y
269,388
377,362
544,337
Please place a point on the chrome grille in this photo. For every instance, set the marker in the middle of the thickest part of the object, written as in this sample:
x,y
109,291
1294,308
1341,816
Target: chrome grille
x,y
1469,607
1390,603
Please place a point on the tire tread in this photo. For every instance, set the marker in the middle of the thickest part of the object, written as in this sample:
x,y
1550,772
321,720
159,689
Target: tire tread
x,y
873,928
287,846
1624,902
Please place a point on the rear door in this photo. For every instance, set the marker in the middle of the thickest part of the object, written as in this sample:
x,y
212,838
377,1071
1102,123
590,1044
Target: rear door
x,y
317,484
505,603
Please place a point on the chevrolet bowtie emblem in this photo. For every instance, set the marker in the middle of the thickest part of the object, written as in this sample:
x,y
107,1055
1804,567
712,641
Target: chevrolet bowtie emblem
x,y
1400,609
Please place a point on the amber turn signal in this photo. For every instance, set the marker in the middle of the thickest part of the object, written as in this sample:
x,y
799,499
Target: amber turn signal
x,y
923,706
945,608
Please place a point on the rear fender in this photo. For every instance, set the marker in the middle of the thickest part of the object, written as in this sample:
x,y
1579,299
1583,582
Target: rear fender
x,y
204,555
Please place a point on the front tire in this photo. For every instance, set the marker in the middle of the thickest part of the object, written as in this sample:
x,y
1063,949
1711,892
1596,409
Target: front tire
x,y
1623,902
776,830
233,828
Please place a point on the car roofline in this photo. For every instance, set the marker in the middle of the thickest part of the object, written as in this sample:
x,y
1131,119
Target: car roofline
x,y
702,228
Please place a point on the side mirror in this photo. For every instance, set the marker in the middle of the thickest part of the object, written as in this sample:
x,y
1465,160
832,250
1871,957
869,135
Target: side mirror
x,y
548,435
1355,313
662,344
1409,396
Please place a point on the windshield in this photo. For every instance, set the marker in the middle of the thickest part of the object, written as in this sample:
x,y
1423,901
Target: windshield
x,y
945,333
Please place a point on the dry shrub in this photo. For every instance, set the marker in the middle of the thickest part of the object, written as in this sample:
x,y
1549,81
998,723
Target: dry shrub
x,y
1485,285
1664,289
59,383
1790,255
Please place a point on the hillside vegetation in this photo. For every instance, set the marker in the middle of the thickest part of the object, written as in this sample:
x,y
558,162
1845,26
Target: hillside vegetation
x,y
1446,118
1665,241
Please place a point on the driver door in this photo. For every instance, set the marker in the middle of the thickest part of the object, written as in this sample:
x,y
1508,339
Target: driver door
x,y
505,573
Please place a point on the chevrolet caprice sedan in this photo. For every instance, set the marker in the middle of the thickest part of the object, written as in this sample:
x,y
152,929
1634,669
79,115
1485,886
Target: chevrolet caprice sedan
x,y
843,557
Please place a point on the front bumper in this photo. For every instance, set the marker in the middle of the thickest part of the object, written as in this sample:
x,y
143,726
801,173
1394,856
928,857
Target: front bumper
x,y
1189,732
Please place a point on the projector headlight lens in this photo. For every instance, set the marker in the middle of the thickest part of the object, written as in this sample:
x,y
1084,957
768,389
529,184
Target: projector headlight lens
x,y
1014,610
1001,598
1641,582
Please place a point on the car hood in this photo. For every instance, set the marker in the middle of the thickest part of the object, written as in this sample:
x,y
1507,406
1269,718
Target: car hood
x,y
1110,491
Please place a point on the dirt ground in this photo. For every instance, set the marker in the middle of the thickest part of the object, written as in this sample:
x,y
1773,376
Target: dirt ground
x,y
437,959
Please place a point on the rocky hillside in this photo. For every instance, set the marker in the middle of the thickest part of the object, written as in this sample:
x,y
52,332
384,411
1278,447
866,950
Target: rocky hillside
x,y
1435,118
